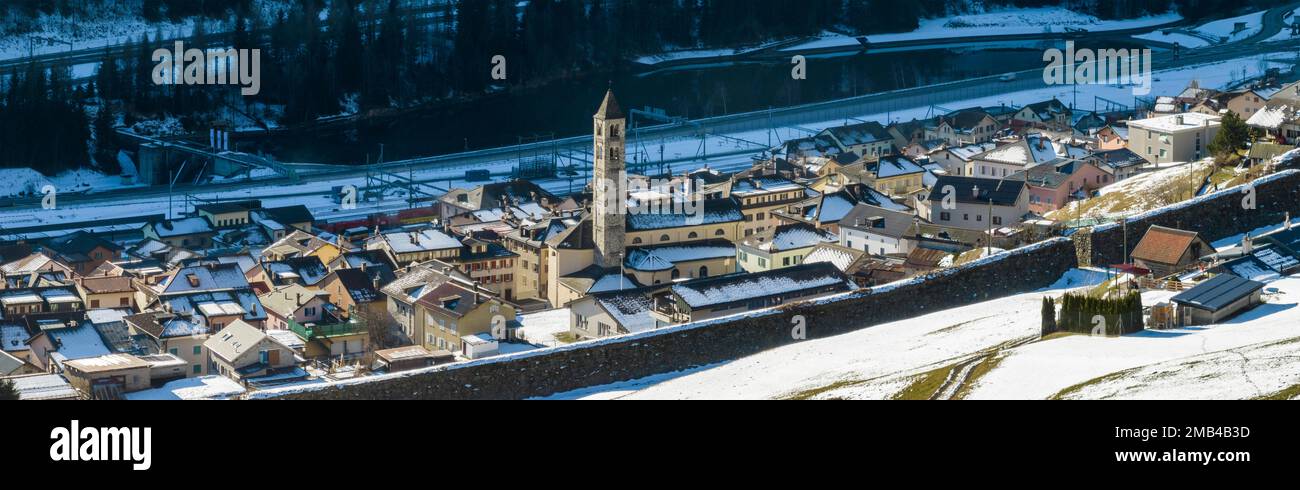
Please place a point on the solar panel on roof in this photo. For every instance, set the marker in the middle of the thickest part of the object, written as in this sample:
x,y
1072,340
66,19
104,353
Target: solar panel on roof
x,y
1219,292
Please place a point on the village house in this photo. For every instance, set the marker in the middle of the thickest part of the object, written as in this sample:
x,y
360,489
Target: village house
x,y
172,334
229,214
82,251
407,246
760,196
488,263
1244,103
448,312
301,244
307,271
868,139
861,267
1173,138
1051,187
783,247
967,126
528,242
826,211
1049,114
612,313
1168,251
109,376
514,192
107,291
713,297
957,160
408,287
244,352
1121,163
876,230
1031,150
1112,137
894,175
215,295
190,233
35,270
295,303
977,204
354,293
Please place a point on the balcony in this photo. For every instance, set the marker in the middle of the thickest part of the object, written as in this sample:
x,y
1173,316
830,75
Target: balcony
x,y
313,331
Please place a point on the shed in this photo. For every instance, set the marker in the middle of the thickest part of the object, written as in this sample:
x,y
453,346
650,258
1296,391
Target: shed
x,y
1217,299
478,346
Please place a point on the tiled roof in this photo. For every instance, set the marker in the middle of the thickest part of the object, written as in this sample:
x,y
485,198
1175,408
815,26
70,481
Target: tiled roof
x,y
1164,245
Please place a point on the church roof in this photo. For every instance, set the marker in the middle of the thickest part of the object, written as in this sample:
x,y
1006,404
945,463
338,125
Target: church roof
x,y
609,108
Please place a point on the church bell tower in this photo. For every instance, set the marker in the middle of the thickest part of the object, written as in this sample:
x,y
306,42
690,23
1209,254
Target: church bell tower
x,y
608,182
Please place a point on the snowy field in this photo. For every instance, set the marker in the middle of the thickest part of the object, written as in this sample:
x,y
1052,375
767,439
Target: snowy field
x,y
875,362
1252,355
25,181
1009,21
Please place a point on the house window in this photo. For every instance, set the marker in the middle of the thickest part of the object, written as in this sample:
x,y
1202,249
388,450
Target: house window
x,y
704,271
663,238
174,352
719,232
997,220
198,369
693,235
198,349
944,217
636,240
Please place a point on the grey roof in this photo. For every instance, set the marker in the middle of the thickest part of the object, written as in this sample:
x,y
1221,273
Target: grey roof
x,y
207,278
1001,192
889,223
711,212
234,340
1219,292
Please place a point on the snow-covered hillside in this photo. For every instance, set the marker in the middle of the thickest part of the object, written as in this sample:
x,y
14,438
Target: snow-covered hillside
x,y
991,350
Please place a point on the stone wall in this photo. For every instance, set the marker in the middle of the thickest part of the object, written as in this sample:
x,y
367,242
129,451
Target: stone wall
x,y
1214,216
593,363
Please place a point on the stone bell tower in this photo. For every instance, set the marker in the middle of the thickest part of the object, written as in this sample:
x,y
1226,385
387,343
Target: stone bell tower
x,y
608,182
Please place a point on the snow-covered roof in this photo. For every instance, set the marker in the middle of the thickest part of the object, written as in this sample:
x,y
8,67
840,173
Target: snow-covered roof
x,y
1173,123
181,227
631,309
198,388
420,241
724,290
795,236
841,257
709,212
1271,117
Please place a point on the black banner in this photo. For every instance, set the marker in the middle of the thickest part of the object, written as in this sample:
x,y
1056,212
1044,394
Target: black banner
x,y
1087,439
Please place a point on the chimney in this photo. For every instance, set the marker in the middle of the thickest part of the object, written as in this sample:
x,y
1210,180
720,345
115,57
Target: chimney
x,y
1288,221
1178,119
1248,245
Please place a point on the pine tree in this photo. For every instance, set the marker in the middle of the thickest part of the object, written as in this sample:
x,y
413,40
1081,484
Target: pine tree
x,y
7,390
